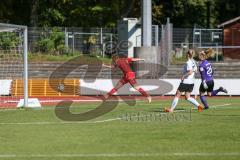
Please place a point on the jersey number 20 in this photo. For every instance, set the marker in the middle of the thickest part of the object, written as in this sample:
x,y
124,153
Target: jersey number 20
x,y
209,70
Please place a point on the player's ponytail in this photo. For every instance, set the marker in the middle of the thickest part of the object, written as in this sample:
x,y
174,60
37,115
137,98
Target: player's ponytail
x,y
209,52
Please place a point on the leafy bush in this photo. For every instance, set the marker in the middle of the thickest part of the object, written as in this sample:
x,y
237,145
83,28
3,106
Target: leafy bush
x,y
53,43
46,45
9,40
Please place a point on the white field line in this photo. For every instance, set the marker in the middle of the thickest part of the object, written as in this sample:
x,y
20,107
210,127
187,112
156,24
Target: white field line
x,y
79,155
85,122
63,100
58,123
76,122
216,106
68,122
143,116
76,100
108,120
221,105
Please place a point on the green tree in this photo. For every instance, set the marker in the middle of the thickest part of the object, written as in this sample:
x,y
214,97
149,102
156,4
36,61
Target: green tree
x,y
9,40
106,13
227,9
52,42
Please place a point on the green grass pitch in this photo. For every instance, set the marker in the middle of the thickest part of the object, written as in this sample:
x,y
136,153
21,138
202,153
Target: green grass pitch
x,y
129,132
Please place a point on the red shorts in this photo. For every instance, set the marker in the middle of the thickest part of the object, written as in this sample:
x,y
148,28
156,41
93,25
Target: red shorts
x,y
129,78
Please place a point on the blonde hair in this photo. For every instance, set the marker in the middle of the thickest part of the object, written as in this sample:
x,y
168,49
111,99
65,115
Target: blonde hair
x,y
207,53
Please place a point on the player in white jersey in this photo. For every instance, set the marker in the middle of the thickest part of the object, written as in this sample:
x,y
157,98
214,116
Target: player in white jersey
x,y
187,84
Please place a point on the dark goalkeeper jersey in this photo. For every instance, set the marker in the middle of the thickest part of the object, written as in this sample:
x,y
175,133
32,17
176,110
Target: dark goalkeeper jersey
x,y
205,69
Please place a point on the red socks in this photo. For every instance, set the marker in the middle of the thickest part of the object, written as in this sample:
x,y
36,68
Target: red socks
x,y
139,90
112,92
143,92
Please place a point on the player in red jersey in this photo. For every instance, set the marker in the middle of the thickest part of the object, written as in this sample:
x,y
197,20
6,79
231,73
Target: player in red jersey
x,y
123,63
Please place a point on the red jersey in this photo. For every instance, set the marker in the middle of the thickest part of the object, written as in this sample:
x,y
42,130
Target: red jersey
x,y
123,64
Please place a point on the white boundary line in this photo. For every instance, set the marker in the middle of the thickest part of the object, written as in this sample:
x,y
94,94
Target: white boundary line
x,y
77,122
218,106
78,100
74,122
59,123
221,105
58,100
108,120
86,122
52,108
79,155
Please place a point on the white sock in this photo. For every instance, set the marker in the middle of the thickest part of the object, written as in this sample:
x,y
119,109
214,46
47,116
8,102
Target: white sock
x,y
174,103
193,101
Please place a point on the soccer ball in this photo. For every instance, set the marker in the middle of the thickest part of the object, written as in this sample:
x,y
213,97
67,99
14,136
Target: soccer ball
x,y
61,87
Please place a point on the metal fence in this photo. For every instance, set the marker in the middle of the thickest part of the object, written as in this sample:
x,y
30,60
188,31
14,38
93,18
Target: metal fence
x,y
173,41
85,41
197,39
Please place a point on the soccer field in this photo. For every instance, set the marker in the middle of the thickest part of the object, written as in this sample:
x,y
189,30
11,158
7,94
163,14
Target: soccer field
x,y
128,132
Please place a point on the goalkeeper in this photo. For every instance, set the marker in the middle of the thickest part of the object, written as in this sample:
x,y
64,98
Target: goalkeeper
x,y
206,72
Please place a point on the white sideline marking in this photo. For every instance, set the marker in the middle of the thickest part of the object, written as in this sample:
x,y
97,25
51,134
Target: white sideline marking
x,y
59,100
108,120
4,110
79,155
218,106
74,122
114,119
85,122
53,123
77,100
67,122
221,105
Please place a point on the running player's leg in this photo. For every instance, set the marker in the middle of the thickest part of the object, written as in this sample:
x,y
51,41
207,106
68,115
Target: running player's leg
x,y
202,91
212,92
193,101
178,94
114,90
220,89
174,102
139,89
204,100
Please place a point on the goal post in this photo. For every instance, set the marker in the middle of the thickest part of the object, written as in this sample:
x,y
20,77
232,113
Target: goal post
x,y
25,59
21,51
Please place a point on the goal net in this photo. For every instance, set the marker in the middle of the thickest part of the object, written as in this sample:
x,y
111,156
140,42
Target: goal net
x,y
13,65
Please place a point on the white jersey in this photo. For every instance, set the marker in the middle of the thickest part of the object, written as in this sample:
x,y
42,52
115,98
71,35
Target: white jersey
x,y
190,65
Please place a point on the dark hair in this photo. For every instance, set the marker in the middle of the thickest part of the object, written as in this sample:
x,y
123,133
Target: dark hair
x,y
115,57
191,53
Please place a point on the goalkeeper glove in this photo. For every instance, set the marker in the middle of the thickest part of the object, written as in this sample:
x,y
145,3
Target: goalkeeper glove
x,y
205,86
